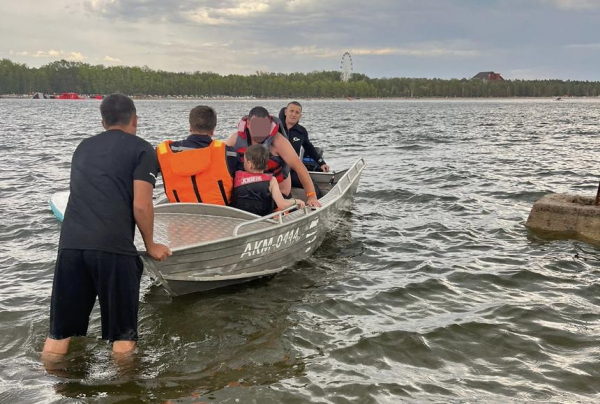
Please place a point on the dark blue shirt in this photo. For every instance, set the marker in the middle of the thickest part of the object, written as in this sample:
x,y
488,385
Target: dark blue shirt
x,y
99,214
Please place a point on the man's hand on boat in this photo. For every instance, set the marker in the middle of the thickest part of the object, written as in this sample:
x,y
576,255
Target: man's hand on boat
x,y
313,202
159,252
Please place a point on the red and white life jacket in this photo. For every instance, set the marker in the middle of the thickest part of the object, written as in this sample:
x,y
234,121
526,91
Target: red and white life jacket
x,y
276,165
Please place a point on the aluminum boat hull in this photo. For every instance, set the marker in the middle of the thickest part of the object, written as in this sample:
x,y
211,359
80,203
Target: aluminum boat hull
x,y
216,246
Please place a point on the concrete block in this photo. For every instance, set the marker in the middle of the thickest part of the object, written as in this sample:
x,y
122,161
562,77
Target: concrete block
x,y
566,216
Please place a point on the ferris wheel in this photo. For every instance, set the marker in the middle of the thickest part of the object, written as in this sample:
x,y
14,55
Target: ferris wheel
x,y
346,67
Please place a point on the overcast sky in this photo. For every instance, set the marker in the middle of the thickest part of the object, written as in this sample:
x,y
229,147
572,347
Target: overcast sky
x,y
521,39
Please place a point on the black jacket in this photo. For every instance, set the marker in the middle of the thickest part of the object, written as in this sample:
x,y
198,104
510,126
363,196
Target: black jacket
x,y
298,137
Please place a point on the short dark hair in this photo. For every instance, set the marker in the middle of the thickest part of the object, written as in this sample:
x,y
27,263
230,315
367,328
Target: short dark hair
x,y
294,103
203,119
117,109
260,112
258,156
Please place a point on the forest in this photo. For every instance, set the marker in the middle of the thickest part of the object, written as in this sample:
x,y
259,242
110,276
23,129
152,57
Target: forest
x,y
65,76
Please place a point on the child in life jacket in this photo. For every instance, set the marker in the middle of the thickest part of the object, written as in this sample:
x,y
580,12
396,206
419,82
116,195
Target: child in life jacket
x,y
257,192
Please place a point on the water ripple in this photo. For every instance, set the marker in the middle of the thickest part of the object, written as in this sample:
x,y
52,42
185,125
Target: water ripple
x,y
430,290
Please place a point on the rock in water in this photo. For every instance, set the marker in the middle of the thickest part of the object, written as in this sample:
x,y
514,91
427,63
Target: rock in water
x,y
566,215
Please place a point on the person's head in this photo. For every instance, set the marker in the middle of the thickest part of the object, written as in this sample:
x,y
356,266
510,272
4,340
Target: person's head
x,y
256,158
293,113
259,124
118,111
203,120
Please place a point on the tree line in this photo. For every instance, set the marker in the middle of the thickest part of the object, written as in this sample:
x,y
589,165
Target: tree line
x,y
83,78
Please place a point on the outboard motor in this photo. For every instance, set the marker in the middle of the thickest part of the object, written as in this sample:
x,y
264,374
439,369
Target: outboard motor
x,y
310,164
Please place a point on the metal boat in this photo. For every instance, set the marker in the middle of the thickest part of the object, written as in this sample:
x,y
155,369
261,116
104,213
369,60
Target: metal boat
x,y
215,246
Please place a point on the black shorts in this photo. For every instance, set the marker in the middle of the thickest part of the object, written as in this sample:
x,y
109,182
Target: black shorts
x,y
80,276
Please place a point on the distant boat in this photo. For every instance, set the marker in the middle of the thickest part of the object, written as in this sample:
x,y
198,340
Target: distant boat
x,y
65,96
39,96
69,96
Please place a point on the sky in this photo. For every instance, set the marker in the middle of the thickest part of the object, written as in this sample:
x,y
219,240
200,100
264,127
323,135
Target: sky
x,y
520,39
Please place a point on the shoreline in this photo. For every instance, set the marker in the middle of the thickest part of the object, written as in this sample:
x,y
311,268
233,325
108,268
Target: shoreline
x,y
189,98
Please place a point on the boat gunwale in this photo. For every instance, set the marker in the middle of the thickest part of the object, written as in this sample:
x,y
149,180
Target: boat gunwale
x,y
309,213
217,278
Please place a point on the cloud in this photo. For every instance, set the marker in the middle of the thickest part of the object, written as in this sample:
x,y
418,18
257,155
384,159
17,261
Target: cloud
x,y
578,5
137,9
422,51
429,38
53,54
419,53
586,46
203,11
74,56
248,13
244,9
302,6
204,17
226,16
110,59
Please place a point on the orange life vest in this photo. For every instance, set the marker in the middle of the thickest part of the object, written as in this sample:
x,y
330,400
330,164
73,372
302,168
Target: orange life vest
x,y
196,175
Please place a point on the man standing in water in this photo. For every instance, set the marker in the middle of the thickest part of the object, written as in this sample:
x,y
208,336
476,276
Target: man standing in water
x,y
112,178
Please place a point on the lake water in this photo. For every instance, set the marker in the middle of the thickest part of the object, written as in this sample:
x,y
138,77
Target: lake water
x,y
431,290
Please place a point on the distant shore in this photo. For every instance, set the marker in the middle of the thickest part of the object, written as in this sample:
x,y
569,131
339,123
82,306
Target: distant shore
x,y
145,83
225,98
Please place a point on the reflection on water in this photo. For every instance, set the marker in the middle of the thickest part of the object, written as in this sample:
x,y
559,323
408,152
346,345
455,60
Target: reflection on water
x,y
431,288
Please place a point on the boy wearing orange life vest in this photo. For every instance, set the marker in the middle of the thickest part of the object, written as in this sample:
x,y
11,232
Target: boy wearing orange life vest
x,y
257,192
199,168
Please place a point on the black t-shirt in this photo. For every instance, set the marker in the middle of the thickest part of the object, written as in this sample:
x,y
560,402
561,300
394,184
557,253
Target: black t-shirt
x,y
99,214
